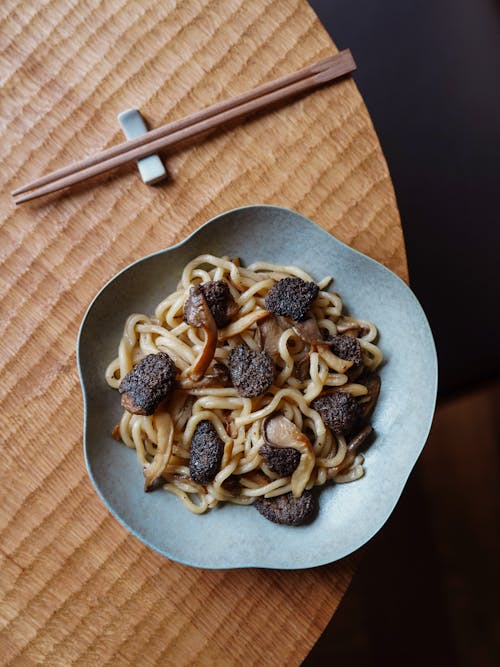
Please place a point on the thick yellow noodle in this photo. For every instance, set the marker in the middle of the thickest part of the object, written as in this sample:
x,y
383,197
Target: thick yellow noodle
x,y
162,441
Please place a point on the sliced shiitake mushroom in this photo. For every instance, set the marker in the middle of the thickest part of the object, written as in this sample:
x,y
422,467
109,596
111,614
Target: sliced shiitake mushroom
x,y
352,449
217,376
279,431
308,331
154,485
270,332
198,314
372,383
355,372
302,366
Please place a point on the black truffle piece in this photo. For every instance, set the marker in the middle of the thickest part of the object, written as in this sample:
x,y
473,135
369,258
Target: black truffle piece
x,y
220,301
281,460
252,373
288,510
291,297
339,410
206,453
148,384
346,347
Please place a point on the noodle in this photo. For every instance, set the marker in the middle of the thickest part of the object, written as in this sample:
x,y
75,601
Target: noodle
x,y
162,441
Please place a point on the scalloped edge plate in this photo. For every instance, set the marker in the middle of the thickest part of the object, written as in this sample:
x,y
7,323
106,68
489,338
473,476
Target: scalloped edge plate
x,y
233,536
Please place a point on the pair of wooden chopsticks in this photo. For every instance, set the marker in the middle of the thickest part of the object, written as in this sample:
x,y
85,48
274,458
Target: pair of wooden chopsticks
x,y
201,122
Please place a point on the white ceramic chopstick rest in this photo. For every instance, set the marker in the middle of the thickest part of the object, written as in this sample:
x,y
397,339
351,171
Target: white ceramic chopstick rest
x,y
151,167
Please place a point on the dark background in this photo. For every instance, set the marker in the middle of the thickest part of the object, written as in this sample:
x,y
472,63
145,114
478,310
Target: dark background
x,y
429,73
426,587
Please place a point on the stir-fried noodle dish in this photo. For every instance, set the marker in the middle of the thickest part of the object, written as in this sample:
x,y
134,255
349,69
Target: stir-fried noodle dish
x,y
249,386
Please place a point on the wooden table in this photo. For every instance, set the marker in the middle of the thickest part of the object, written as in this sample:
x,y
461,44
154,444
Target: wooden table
x,y
76,588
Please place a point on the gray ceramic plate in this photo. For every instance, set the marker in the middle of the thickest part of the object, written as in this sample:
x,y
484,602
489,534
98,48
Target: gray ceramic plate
x,y
234,536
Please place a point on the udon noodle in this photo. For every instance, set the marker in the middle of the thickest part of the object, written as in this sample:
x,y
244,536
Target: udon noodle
x,y
162,440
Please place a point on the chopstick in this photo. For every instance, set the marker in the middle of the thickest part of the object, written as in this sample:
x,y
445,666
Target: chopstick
x,y
193,118
200,122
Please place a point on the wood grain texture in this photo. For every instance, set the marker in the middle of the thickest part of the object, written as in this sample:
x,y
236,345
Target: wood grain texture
x,y
76,588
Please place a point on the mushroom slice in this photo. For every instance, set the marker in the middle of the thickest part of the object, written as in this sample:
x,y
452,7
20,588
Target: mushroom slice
x,y
309,332
372,383
269,331
279,431
302,365
198,314
355,371
359,438
352,448
270,334
218,376
154,485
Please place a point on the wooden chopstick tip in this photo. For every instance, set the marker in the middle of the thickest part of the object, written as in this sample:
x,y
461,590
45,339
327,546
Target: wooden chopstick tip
x,y
20,199
18,191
